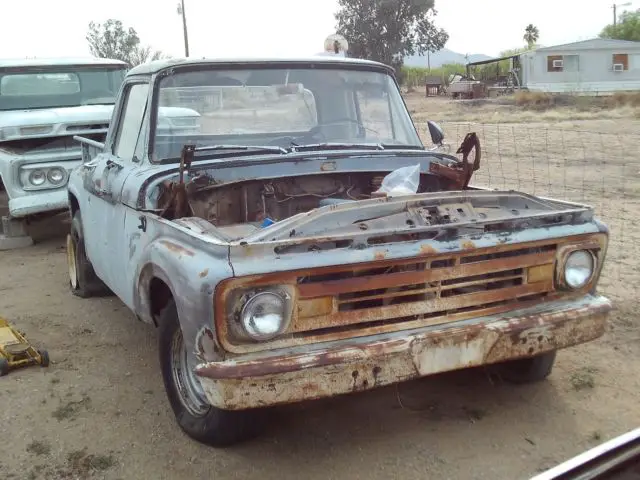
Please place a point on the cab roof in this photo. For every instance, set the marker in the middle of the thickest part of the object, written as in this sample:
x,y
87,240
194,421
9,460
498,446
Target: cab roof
x,y
157,66
58,61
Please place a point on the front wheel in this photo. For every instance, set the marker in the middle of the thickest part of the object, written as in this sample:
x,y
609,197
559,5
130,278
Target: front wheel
x,y
527,370
194,414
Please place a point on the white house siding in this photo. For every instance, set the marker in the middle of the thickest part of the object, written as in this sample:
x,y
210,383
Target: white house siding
x,y
588,68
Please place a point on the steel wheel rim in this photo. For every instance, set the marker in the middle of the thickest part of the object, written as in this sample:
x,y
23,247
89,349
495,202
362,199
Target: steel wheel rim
x,y
71,262
187,384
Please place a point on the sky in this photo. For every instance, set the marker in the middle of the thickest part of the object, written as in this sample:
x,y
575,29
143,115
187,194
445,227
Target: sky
x,y
226,28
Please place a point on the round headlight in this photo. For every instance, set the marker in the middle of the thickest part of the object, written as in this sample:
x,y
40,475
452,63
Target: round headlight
x,y
578,269
263,316
56,176
37,177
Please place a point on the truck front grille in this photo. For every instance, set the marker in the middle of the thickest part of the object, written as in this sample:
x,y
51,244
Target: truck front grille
x,y
429,291
384,296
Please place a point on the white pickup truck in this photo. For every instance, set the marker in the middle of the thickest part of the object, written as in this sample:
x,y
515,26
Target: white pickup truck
x,y
43,104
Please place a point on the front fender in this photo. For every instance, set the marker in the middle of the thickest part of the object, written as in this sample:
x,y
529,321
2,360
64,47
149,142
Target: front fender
x,y
191,274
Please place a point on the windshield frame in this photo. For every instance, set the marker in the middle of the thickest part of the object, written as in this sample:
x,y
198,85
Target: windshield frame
x,y
75,69
272,65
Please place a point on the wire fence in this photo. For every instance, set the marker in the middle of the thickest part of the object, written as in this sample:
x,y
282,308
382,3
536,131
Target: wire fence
x,y
594,168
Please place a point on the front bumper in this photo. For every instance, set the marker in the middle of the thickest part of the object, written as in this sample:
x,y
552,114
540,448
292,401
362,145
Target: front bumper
x,y
335,368
39,202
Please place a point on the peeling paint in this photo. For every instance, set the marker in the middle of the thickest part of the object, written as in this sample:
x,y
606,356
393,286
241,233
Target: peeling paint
x,y
342,367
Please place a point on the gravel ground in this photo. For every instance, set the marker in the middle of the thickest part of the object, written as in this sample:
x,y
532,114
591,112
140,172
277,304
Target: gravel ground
x,y
100,410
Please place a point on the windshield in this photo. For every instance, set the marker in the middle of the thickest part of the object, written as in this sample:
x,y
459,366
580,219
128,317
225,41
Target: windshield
x,y
61,87
285,108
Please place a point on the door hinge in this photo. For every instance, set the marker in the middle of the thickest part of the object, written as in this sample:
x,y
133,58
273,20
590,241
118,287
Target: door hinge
x,y
143,223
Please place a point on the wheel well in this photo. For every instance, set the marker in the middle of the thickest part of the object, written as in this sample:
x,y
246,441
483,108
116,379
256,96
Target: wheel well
x,y
159,296
73,204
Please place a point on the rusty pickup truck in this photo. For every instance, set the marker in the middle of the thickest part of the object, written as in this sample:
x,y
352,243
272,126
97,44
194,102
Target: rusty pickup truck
x,y
295,240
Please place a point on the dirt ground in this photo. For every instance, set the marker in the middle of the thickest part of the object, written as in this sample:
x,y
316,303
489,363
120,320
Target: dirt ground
x,y
100,411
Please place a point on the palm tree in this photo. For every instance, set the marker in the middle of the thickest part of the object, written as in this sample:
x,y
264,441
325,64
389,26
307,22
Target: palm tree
x,y
531,35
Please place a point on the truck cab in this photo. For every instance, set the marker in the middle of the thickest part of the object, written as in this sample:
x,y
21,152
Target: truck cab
x,y
43,104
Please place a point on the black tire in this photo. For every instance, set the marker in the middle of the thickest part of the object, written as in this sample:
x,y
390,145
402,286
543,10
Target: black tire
x,y
215,427
4,367
527,370
83,281
44,355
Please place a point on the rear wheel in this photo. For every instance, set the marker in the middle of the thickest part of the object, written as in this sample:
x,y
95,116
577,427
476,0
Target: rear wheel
x,y
83,281
527,370
4,367
44,358
194,414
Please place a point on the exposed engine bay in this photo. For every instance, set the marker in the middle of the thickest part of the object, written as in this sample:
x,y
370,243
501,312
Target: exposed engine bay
x,y
277,199
271,200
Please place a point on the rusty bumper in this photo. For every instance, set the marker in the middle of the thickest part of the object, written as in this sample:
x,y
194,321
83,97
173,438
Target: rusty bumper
x,y
341,367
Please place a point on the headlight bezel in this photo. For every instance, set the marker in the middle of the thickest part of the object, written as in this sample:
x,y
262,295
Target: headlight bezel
x,y
32,175
596,246
241,299
565,268
63,175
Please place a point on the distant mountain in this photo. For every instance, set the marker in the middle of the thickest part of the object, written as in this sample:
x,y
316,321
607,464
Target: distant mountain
x,y
443,57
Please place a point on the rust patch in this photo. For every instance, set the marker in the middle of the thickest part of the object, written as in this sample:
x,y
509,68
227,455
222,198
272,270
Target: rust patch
x,y
204,273
468,245
428,250
541,332
175,248
380,255
328,166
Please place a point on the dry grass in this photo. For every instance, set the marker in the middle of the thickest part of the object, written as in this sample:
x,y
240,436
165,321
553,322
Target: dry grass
x,y
527,107
542,101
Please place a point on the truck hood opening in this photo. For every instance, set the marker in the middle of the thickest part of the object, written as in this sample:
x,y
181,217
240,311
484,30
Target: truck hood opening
x,y
426,216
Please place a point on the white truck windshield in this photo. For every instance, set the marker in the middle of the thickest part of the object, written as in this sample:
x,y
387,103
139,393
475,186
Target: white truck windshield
x,y
62,87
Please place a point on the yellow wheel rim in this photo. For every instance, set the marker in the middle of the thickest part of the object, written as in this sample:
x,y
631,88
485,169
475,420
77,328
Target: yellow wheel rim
x,y
71,262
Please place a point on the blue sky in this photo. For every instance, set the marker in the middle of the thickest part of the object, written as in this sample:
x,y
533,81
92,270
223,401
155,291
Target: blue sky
x,y
281,27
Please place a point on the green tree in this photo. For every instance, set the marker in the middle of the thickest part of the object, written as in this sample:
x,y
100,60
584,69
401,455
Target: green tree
x,y
145,54
388,30
627,27
112,40
531,35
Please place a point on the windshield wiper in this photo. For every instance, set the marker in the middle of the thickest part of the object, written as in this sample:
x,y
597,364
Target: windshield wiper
x,y
336,146
246,148
398,146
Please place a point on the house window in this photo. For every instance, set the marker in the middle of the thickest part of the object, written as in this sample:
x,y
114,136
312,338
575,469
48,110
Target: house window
x,y
555,63
563,63
620,62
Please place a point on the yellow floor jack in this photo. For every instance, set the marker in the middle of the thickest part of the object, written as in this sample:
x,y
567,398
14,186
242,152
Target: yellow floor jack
x,y
16,352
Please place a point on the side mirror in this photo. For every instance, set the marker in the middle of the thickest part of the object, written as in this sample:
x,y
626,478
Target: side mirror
x,y
437,135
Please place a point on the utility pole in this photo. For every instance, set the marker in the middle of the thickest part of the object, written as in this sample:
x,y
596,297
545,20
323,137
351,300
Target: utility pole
x,y
615,12
181,11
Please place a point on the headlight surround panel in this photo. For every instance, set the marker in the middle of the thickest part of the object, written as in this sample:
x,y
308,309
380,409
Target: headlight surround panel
x,y
596,248
42,177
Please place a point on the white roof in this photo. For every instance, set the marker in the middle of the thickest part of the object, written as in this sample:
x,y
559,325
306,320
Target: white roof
x,y
57,61
158,65
594,43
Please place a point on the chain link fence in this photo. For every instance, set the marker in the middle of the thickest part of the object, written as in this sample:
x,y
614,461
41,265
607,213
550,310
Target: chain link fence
x,y
593,168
